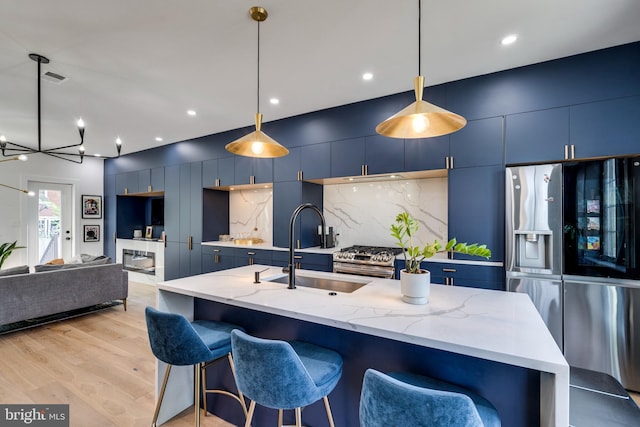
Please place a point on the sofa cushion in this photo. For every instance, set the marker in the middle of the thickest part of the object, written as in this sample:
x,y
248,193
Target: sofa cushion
x,y
23,269
94,260
100,260
54,267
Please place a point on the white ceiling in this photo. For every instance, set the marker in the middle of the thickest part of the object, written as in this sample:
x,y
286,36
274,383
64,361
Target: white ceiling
x,y
136,66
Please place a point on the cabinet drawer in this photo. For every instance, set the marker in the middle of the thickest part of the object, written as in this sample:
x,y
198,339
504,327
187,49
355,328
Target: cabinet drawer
x,y
217,250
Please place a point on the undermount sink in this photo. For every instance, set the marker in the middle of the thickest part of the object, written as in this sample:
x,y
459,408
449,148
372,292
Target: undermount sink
x,y
338,285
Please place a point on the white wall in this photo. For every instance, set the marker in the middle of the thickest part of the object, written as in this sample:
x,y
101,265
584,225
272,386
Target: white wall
x,y
86,178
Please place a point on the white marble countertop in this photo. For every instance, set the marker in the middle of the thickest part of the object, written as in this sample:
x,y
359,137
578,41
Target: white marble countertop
x,y
493,325
442,257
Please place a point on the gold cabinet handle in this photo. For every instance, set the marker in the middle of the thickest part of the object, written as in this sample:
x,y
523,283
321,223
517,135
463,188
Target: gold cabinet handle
x,y
449,270
190,243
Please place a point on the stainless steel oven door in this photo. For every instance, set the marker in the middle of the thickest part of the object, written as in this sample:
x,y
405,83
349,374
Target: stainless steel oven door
x,y
385,272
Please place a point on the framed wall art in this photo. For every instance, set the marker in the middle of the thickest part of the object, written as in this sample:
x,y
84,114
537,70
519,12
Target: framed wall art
x,y
91,233
91,207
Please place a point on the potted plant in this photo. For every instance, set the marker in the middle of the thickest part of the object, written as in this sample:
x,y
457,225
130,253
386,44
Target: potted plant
x,y
6,249
415,282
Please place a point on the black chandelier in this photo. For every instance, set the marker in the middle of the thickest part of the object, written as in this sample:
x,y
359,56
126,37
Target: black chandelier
x,y
11,149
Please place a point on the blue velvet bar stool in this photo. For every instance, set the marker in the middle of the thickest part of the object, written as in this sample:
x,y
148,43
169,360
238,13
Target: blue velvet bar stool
x,y
401,399
284,375
178,342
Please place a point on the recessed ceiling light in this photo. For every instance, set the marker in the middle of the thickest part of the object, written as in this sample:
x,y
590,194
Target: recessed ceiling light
x,y
191,112
274,101
159,139
97,155
509,39
367,76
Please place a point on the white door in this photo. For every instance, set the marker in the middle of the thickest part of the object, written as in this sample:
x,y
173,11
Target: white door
x,y
50,222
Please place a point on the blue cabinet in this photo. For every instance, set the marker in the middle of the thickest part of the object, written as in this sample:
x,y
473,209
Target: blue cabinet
x,y
479,143
287,168
218,172
142,181
537,136
249,170
426,153
287,196
476,208
216,258
110,214
127,182
304,260
370,155
594,129
183,220
383,155
467,275
347,157
606,128
315,161
243,256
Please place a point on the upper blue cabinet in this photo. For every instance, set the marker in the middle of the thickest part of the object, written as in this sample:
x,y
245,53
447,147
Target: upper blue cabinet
x,y
347,157
249,170
426,153
479,143
218,172
605,128
383,154
142,181
303,163
595,129
370,155
537,136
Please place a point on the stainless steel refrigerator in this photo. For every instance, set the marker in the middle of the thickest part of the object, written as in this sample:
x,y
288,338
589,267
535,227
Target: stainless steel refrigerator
x,y
572,244
533,247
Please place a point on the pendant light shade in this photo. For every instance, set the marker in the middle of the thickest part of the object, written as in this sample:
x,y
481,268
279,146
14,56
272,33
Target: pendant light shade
x,y
257,143
420,119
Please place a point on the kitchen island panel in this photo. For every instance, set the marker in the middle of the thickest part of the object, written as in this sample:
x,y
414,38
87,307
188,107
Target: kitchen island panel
x,y
497,382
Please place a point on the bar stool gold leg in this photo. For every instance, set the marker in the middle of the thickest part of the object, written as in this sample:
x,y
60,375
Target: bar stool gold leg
x,y
298,417
280,411
162,389
328,408
252,407
196,392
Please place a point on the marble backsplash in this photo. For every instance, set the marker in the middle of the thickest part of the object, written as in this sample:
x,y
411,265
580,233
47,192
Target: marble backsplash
x,y
363,212
251,214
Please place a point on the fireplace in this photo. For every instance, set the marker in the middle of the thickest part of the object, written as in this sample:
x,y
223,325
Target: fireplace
x,y
139,261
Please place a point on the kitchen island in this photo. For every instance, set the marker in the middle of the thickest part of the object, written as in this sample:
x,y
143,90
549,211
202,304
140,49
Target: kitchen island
x,y
492,342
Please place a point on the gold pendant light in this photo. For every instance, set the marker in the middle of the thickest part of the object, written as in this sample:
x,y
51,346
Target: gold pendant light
x,y
257,143
420,119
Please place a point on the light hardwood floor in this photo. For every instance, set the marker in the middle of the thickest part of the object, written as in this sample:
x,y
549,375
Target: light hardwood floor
x,y
100,364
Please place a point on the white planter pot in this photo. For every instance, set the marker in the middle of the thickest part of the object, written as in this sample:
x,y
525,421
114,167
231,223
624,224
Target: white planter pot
x,y
415,288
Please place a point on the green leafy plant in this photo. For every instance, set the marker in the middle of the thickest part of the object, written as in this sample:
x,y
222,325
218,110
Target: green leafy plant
x,y
6,249
404,229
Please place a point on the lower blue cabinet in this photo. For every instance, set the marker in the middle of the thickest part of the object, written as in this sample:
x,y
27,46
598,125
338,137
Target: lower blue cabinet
x,y
467,275
304,260
216,258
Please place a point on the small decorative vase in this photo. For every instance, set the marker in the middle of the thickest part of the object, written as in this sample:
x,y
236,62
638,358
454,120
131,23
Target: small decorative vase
x,y
415,288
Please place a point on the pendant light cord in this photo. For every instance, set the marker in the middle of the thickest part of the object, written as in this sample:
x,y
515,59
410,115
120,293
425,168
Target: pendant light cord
x,y
419,37
258,76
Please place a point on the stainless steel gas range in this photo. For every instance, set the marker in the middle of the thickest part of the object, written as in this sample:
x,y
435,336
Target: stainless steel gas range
x,y
366,261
